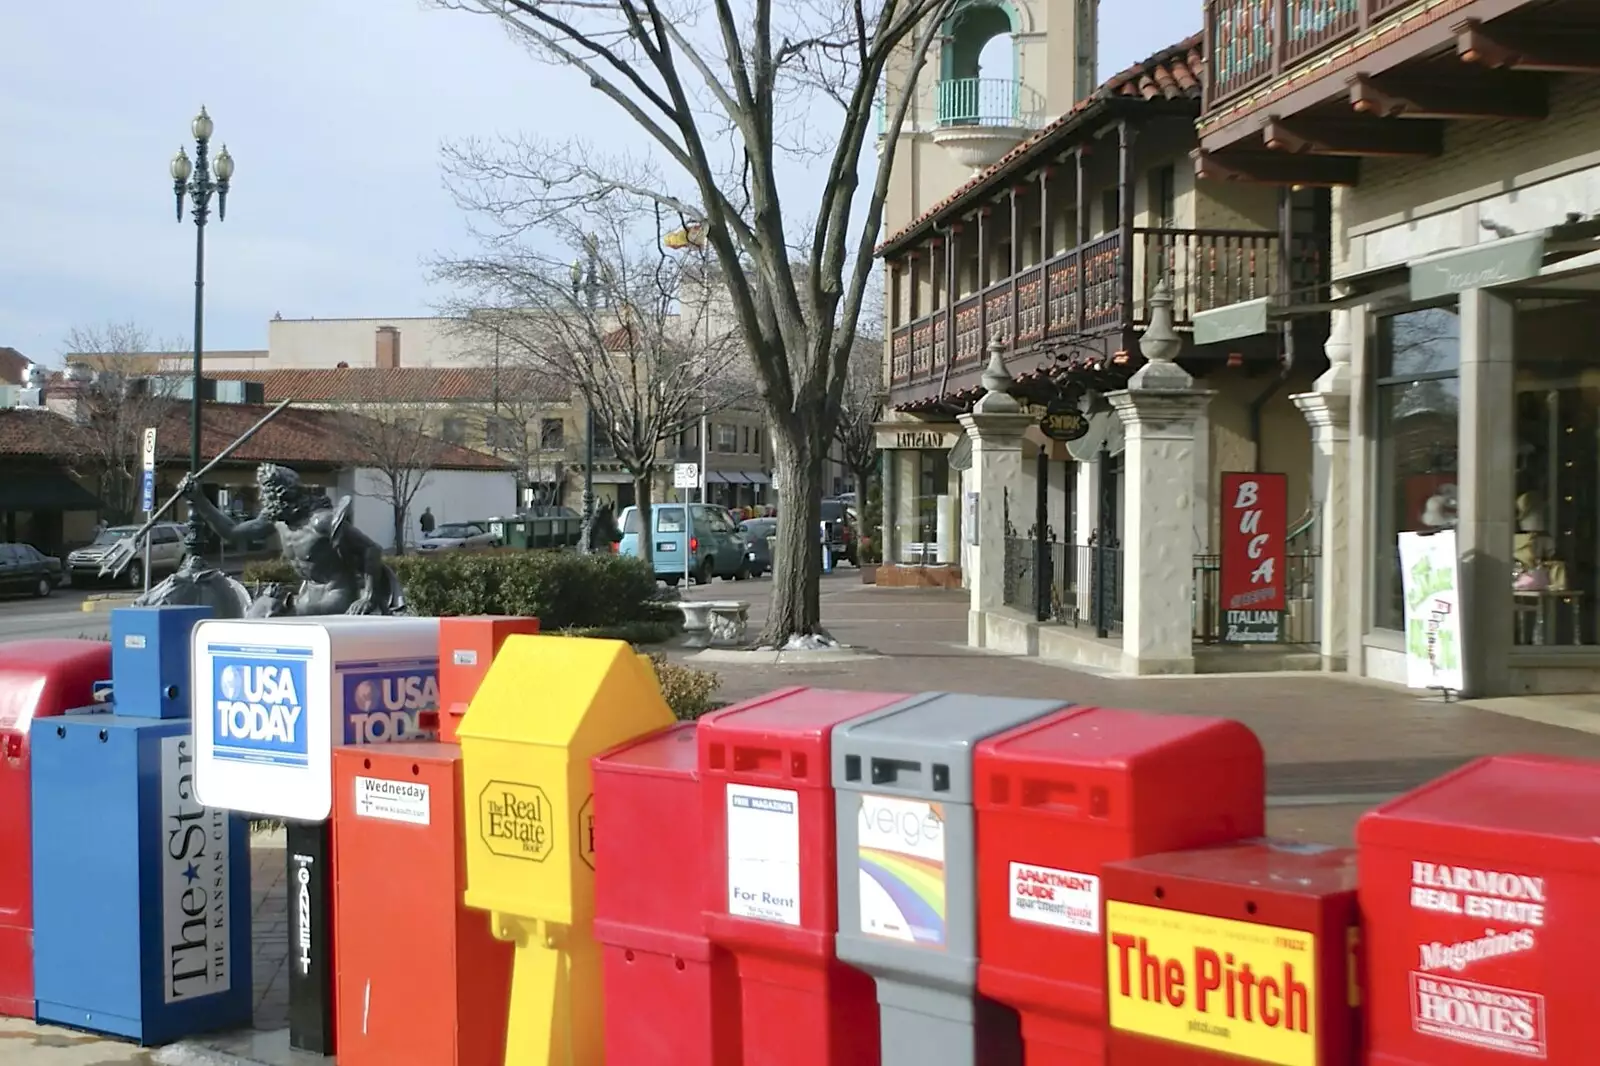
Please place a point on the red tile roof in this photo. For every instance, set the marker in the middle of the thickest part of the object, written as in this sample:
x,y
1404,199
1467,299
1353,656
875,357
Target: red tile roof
x,y
1174,73
12,365
405,384
300,435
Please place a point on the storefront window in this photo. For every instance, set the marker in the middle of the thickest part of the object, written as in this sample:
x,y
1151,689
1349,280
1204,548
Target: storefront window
x,y
923,506
1556,503
1418,406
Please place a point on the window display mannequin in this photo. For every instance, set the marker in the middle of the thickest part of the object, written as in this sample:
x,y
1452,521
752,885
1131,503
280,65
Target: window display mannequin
x,y
1532,569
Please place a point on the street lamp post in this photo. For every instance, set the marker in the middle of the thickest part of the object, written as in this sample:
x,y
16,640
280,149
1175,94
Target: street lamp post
x,y
584,276
195,181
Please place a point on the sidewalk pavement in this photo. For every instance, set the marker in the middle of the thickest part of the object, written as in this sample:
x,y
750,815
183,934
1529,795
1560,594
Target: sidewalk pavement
x,y
1335,747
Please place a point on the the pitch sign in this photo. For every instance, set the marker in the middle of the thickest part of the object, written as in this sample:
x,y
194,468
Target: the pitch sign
x,y
273,697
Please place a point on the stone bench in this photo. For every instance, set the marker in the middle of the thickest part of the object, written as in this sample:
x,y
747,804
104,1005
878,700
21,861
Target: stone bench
x,y
714,623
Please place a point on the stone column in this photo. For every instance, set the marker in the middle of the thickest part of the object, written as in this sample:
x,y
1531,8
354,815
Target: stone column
x,y
996,426
1327,408
1159,408
1486,482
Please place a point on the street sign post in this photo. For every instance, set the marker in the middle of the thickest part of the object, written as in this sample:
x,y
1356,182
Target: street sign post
x,y
685,476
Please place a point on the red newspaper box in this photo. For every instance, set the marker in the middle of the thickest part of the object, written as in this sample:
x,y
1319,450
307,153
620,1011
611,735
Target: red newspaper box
x,y
467,645
421,979
1056,799
38,679
770,876
1481,937
678,993
1239,953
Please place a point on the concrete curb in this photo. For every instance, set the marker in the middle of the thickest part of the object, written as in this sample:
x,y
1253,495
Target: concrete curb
x,y
107,600
817,657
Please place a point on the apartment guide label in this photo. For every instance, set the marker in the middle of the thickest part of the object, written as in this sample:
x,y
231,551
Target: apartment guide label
x,y
1060,898
764,854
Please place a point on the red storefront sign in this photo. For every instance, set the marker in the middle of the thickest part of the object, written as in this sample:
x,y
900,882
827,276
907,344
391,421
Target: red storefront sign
x,y
1255,527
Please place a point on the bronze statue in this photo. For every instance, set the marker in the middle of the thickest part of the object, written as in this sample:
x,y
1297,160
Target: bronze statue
x,y
341,569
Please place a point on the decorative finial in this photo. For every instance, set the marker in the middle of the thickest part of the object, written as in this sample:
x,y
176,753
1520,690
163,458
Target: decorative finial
x,y
1161,345
997,398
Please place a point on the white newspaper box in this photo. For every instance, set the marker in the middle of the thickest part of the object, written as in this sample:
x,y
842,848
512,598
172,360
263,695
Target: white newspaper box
x,y
272,697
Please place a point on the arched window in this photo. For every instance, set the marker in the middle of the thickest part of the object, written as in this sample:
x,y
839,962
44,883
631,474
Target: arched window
x,y
978,83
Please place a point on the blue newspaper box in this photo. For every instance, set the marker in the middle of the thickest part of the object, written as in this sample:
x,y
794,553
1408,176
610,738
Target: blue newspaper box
x,y
150,660
142,895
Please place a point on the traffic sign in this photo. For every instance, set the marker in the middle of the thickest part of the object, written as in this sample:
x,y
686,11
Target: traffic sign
x,y
685,475
149,449
148,498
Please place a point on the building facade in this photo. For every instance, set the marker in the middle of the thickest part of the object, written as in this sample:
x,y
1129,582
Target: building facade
x,y
1047,268
1462,142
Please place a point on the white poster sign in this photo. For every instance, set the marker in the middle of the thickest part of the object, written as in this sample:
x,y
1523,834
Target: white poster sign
x,y
1430,580
196,957
1064,899
393,801
764,854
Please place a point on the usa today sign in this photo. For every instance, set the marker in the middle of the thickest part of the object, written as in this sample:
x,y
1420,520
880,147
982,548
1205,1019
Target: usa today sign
x,y
273,698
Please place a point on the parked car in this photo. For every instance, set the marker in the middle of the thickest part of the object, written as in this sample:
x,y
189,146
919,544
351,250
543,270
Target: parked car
x,y
24,568
165,555
714,548
459,536
760,539
838,520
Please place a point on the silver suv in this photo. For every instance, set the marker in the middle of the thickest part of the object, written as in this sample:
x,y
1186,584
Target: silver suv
x,y
166,554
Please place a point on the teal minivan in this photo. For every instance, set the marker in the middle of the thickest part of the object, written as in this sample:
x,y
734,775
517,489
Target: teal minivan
x,y
715,547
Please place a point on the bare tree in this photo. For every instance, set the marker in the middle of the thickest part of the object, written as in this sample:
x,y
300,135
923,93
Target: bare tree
x,y
124,388
863,396
721,92
634,327
393,442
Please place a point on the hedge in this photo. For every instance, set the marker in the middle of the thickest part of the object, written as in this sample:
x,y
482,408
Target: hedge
x,y
599,595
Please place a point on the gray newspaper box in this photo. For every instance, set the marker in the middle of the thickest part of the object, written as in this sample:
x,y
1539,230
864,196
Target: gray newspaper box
x,y
902,779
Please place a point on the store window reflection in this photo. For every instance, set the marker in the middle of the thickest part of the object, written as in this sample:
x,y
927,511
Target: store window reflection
x,y
926,512
1418,408
1557,488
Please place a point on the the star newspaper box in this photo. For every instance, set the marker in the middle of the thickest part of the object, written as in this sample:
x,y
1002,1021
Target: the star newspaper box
x,y
141,890
1057,798
770,869
277,696
1242,953
547,707
1481,935
39,679
908,913
436,995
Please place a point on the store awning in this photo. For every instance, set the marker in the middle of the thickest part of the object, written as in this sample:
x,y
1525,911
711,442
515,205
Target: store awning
x,y
1252,318
756,477
1478,266
45,490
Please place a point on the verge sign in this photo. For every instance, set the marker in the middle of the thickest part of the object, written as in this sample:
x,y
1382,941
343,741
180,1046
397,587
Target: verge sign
x,y
1254,531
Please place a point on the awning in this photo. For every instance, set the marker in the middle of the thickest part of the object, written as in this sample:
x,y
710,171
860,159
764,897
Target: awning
x,y
1478,266
756,477
45,490
1246,319
1252,318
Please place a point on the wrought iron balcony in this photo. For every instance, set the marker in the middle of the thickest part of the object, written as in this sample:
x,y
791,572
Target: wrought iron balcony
x,y
1004,102
1253,40
1084,292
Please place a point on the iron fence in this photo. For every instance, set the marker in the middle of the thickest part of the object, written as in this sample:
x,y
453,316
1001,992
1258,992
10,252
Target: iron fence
x,y
1301,622
1081,585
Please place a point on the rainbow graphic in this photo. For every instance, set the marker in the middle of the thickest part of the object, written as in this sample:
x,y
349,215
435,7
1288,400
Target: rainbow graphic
x,y
902,896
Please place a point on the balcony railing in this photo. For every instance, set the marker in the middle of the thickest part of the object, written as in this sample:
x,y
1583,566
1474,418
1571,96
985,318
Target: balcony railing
x,y
988,102
1080,292
1252,40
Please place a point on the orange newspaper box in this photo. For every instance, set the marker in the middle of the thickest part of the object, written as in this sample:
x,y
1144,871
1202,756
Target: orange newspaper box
x,y
467,647
421,979
1480,938
1234,954
1057,798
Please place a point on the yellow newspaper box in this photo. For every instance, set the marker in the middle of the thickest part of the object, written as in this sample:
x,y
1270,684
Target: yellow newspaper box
x,y
546,707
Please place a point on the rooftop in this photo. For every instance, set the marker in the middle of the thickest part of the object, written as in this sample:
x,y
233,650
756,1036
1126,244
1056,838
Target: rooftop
x,y
1174,73
403,384
300,435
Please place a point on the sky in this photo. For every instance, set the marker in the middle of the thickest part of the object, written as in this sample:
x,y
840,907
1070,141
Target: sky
x,y
334,112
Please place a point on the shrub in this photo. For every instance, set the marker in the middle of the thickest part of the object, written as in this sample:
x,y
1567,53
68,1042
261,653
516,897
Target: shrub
x,y
689,692
872,525
564,590
269,572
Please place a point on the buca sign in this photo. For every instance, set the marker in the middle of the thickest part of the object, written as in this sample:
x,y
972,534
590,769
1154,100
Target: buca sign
x,y
1229,987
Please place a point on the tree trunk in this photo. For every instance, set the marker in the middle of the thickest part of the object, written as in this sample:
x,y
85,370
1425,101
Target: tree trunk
x,y
641,500
795,607
399,530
